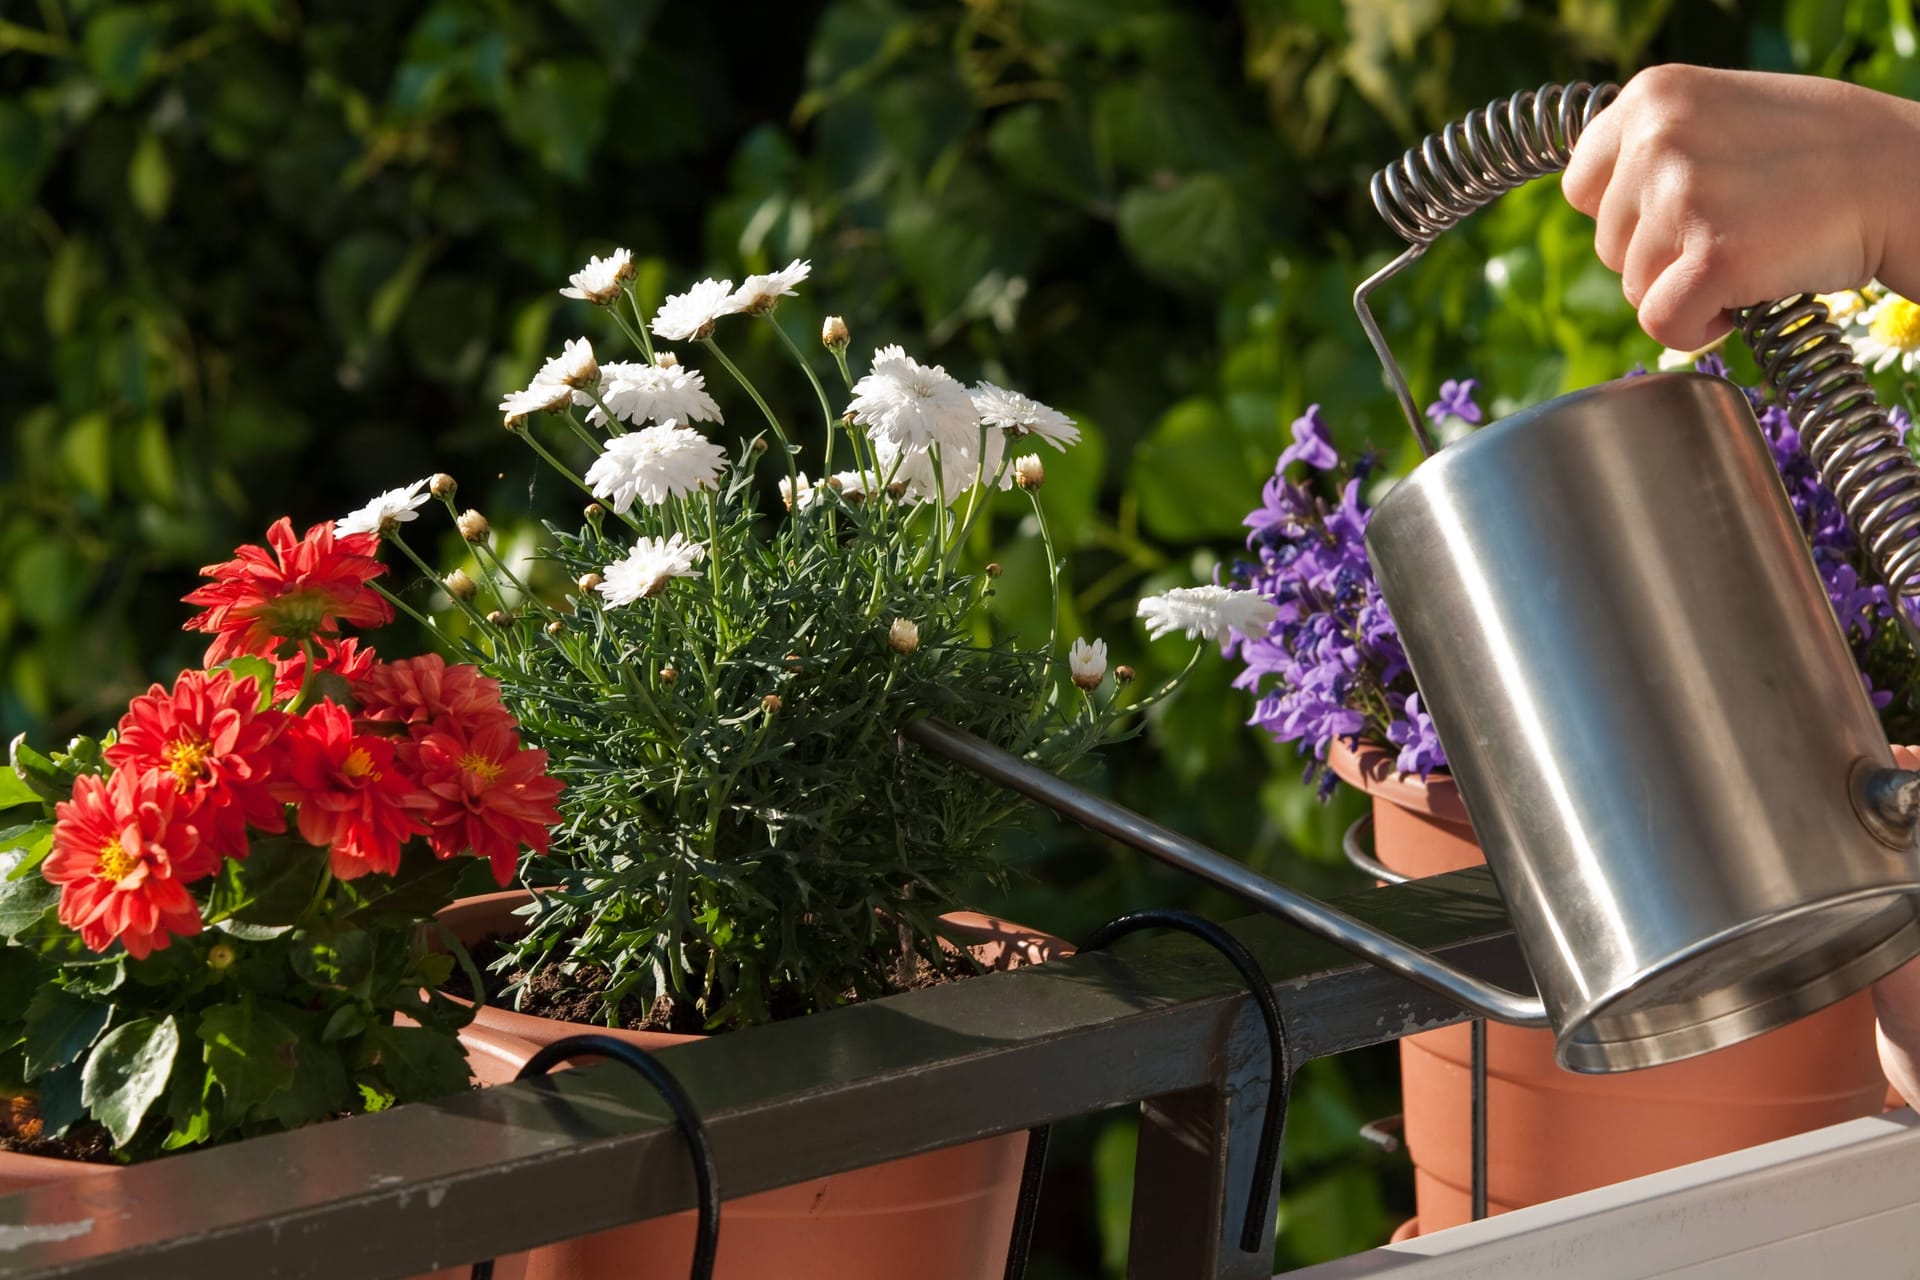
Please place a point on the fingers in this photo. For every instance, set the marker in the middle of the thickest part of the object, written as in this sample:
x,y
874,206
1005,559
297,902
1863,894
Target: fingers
x,y
1616,222
1591,168
1683,309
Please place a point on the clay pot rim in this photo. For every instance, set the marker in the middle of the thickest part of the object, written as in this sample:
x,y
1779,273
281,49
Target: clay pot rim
x,y
973,927
1371,768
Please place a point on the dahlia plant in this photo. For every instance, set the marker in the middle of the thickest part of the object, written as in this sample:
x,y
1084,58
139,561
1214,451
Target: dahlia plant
x,y
1329,663
733,646
222,922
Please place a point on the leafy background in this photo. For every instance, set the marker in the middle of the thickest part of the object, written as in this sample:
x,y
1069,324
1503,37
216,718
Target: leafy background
x,y
258,257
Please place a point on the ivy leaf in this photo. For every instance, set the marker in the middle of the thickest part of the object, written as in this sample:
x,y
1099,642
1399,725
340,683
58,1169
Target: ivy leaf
x,y
60,1026
127,1072
249,1050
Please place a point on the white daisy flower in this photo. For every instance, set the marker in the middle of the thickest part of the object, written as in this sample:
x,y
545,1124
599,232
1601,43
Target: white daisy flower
x,y
1892,334
758,293
691,314
1844,305
808,492
599,281
1088,663
653,464
386,513
638,392
1213,612
648,568
1022,415
574,367
538,397
851,485
909,405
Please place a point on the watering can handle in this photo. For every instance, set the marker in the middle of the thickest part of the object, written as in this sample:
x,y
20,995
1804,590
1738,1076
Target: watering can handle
x,y
1128,827
1806,360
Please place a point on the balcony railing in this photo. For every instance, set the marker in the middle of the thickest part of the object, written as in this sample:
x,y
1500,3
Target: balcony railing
x,y
1161,1021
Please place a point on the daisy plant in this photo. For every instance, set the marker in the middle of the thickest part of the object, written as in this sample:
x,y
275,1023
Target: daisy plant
x,y
742,633
220,920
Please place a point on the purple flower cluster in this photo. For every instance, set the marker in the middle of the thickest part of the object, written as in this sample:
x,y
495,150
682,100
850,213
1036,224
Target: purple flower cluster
x,y
1332,666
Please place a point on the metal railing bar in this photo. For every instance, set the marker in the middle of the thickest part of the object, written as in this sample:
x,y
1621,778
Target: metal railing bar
x,y
502,1169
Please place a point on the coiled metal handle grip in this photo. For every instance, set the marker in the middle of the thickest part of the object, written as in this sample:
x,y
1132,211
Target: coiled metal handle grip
x,y
1804,356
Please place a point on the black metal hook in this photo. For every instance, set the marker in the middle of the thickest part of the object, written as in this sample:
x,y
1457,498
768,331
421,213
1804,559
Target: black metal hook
x,y
1272,1128
706,1240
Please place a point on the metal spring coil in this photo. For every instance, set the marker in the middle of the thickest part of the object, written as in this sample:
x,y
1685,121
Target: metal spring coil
x,y
1479,158
1803,354
1844,430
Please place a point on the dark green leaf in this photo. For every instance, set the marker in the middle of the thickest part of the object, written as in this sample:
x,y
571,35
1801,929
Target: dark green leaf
x,y
19,981
249,1050
27,147
272,886
558,111
24,848
150,177
127,1072
60,1027
121,45
39,773
420,1063
1200,231
348,1020
23,900
59,1100
332,955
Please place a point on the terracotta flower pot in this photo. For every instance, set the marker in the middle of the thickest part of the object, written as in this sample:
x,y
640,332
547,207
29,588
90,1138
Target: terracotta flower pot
x,y
1550,1132
493,1055
944,1215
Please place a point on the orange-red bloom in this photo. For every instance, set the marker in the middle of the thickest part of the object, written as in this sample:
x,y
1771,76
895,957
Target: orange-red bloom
x,y
351,798
344,658
292,589
490,795
117,855
418,692
209,740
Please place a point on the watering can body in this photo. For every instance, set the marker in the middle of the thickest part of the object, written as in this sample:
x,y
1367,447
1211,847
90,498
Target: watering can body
x,y
1653,717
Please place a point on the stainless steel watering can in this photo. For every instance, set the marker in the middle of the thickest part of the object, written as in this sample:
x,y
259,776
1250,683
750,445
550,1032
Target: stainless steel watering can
x,y
1645,698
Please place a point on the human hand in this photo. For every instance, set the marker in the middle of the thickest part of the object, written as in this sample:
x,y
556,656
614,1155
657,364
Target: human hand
x,y
1714,190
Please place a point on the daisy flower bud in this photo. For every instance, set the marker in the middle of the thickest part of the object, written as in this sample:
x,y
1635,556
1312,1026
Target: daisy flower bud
x,y
1123,674
770,703
904,635
1087,663
993,569
473,526
555,627
220,957
666,360
759,445
459,585
442,486
593,514
1028,473
833,334
497,618
589,581
669,674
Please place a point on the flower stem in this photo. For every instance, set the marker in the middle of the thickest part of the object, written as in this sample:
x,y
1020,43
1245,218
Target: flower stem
x,y
473,614
310,665
568,472
637,336
613,420
406,608
826,409
779,432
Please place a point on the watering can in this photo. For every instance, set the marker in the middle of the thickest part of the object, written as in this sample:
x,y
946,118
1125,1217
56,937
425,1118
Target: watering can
x,y
1646,701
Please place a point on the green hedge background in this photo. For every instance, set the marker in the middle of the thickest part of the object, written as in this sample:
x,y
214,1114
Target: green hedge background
x,y
259,257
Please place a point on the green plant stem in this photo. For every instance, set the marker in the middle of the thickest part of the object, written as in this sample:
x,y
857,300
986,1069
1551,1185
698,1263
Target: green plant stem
x,y
466,607
580,429
299,702
1053,593
406,608
779,432
568,472
613,420
637,336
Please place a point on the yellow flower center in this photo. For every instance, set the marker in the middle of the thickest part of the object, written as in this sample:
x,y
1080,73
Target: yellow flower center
x,y
187,760
1897,324
115,863
359,766
479,766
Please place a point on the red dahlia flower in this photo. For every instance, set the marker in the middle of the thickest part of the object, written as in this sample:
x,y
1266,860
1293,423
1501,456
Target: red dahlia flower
x,y
301,591
490,795
343,658
352,800
118,854
209,740
420,691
